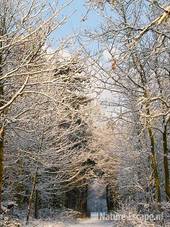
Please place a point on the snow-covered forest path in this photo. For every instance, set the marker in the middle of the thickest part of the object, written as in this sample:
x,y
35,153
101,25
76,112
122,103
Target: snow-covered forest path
x,y
82,223
92,223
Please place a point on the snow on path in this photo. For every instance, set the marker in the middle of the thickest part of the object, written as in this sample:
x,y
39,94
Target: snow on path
x,y
82,223
44,224
92,223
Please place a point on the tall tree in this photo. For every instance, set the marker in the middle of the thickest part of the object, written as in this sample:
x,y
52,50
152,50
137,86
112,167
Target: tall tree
x,y
24,29
138,50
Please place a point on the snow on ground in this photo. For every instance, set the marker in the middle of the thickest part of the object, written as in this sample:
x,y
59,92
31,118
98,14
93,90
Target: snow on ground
x,y
82,223
40,223
92,223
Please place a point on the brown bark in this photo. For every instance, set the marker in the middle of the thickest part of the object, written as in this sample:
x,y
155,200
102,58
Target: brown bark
x,y
165,144
166,166
153,156
2,128
36,204
31,196
1,164
154,165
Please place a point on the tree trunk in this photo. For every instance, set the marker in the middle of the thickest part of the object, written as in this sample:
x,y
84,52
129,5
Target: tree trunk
x,y
108,198
36,204
153,156
166,167
2,128
165,144
31,196
154,166
1,165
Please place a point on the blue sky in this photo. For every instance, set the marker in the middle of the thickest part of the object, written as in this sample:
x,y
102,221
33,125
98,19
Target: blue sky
x,y
75,22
